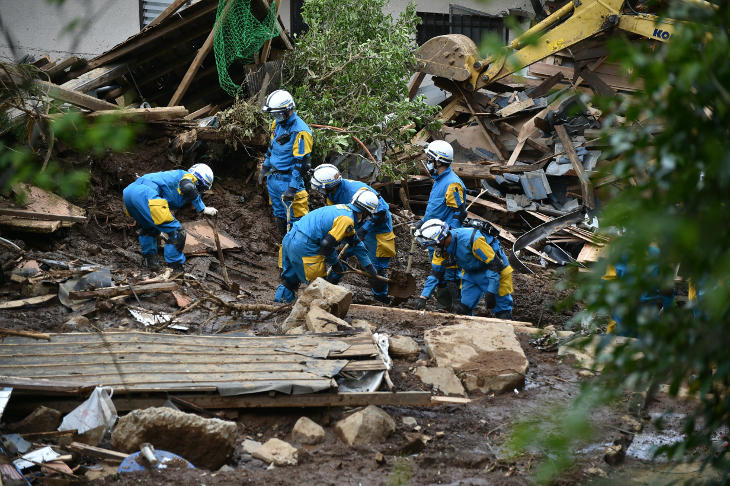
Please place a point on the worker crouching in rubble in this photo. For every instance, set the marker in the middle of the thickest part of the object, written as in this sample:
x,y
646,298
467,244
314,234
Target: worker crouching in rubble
x,y
446,203
149,200
287,161
484,266
312,243
376,232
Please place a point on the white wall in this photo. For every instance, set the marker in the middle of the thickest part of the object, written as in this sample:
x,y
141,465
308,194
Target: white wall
x,y
37,26
491,7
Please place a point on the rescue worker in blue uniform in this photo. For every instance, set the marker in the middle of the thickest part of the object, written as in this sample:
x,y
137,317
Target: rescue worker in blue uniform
x,y
312,243
376,232
149,200
446,203
484,266
286,164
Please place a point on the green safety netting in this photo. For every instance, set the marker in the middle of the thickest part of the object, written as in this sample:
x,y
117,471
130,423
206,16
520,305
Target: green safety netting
x,y
238,36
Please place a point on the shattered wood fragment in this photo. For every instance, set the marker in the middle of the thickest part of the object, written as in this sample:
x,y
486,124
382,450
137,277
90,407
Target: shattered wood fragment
x,y
74,97
20,303
544,88
516,107
415,84
125,290
43,385
20,213
88,450
30,334
585,182
146,114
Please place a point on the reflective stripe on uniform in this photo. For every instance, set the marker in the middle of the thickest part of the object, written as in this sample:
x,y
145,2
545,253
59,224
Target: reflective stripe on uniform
x,y
482,250
385,245
300,205
160,211
314,267
454,195
302,144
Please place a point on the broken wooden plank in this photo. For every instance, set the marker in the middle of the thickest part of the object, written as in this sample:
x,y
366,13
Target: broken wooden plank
x,y
74,97
146,114
58,68
20,303
187,79
589,253
95,78
21,213
42,385
613,80
486,203
415,84
88,450
165,14
122,290
526,137
53,434
200,113
585,182
544,88
28,334
390,313
515,107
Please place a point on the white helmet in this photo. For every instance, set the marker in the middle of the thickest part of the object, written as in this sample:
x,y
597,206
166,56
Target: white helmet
x,y
432,232
326,177
278,101
365,200
203,174
440,151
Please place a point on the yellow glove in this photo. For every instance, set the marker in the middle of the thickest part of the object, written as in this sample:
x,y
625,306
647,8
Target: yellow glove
x,y
505,281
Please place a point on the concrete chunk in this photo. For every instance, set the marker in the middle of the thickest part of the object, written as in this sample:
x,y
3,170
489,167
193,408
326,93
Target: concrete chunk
x,y
442,379
319,320
205,442
307,431
370,425
487,357
42,419
403,347
332,298
278,452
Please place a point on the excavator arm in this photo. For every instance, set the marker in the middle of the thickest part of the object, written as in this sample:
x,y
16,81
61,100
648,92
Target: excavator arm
x,y
456,57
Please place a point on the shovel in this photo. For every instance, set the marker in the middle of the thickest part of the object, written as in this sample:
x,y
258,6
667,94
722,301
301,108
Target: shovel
x,y
400,284
213,224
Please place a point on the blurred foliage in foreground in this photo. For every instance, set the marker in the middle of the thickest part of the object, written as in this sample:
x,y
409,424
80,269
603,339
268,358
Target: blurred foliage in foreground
x,y
34,129
680,204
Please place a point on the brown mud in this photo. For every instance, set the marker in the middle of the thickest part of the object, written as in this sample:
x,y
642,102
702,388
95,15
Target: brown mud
x,y
466,444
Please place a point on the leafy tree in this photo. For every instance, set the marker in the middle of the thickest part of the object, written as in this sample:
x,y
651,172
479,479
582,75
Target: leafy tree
x,y
678,201
350,70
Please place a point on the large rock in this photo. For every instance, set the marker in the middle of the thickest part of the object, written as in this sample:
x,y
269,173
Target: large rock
x,y
403,347
319,320
368,426
487,357
206,442
42,419
277,451
307,431
334,299
442,379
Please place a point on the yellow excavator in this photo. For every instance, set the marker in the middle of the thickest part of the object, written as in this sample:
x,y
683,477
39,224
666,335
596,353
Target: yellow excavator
x,y
456,57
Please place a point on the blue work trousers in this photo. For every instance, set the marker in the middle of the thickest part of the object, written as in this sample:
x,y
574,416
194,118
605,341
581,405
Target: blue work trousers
x,y
474,286
277,183
153,215
301,263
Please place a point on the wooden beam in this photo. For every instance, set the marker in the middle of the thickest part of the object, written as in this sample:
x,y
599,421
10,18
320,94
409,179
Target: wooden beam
x,y
171,9
585,183
19,304
41,216
74,97
123,290
147,37
529,141
544,88
28,334
41,385
486,203
96,77
389,313
267,45
146,114
193,69
199,113
415,84
88,450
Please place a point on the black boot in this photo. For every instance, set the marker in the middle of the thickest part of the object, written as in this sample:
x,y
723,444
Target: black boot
x,y
152,262
504,315
176,267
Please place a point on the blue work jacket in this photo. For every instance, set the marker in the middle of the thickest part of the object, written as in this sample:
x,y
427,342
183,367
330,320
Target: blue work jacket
x,y
338,221
167,185
291,143
446,198
381,222
471,251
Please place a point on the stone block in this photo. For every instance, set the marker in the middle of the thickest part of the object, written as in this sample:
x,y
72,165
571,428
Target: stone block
x,y
278,452
368,426
307,431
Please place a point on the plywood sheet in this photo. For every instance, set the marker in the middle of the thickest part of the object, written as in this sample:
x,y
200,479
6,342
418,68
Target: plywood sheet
x,y
201,239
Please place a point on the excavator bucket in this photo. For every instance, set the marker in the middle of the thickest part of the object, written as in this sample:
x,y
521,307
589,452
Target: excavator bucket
x,y
449,56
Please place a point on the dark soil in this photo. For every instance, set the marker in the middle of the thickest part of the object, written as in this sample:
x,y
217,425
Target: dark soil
x,y
466,444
